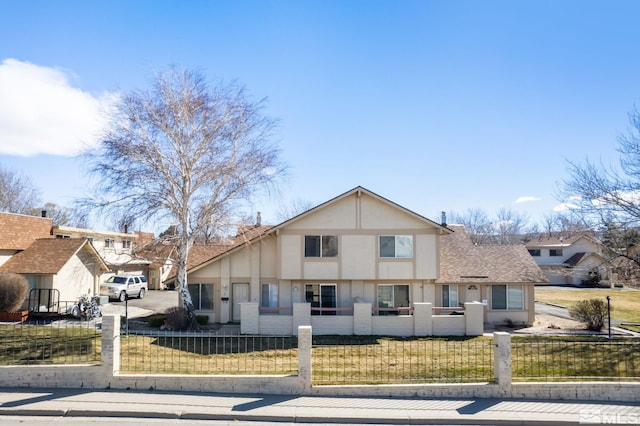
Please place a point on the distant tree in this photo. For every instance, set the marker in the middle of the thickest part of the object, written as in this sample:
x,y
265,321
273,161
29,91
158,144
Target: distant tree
x,y
62,216
17,193
288,211
186,151
507,227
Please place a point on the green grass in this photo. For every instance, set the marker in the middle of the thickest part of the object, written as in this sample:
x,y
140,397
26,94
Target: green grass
x,y
26,344
335,359
625,303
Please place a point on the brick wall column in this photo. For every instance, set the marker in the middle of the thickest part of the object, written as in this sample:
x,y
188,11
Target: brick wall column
x,y
305,341
422,319
362,322
110,346
249,318
502,360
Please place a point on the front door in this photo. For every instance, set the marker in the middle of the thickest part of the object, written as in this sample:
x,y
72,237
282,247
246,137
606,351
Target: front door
x,y
473,293
240,294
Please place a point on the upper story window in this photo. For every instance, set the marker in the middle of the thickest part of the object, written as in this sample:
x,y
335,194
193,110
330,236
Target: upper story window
x,y
534,252
320,245
398,246
109,243
126,244
60,236
555,252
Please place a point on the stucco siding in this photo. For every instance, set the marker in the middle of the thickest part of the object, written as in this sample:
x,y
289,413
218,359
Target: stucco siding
x,y
401,270
330,324
290,263
73,280
339,215
358,253
321,270
426,256
377,215
392,326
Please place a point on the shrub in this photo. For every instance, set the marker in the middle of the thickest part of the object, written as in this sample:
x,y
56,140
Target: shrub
x,y
157,321
176,319
202,319
592,312
13,290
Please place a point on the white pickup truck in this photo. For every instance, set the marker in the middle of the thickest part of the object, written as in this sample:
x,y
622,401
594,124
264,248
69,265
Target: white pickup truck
x,y
120,286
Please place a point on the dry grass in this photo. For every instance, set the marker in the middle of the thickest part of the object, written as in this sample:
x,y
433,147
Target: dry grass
x,y
625,303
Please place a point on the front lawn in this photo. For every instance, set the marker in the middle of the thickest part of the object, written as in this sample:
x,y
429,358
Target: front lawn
x,y
625,303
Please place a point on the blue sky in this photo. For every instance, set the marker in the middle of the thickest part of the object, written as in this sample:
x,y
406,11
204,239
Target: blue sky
x,y
436,105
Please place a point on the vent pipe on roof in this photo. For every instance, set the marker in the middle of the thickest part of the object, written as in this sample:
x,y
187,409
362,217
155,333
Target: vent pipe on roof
x,y
443,220
43,213
258,219
126,228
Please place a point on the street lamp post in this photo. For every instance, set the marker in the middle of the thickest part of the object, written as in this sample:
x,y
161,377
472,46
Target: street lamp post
x,y
609,314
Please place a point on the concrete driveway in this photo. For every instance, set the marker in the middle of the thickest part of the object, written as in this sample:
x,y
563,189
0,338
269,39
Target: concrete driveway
x,y
154,301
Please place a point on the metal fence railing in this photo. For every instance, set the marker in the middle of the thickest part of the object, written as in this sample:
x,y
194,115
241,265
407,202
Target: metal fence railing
x,y
562,360
160,352
52,342
376,360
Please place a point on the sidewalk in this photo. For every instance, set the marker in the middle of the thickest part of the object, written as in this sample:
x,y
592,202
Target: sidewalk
x,y
309,409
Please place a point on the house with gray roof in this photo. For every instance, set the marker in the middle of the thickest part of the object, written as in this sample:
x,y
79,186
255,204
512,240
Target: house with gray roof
x,y
362,264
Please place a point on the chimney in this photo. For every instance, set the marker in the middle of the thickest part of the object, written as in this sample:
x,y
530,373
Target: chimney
x,y
126,228
443,220
43,213
258,219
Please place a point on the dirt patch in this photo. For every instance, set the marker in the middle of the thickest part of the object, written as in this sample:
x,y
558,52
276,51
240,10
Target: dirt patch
x,y
549,324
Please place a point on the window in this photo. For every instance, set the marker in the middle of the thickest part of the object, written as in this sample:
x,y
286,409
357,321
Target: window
x,y
321,296
109,243
269,296
534,252
507,297
60,236
126,244
392,296
555,252
398,246
449,296
202,296
320,245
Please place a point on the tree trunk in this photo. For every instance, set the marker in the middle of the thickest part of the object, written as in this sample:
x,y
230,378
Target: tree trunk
x,y
182,285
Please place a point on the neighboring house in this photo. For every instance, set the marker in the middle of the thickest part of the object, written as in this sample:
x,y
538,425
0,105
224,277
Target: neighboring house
x,y
569,258
65,268
117,249
361,264
17,232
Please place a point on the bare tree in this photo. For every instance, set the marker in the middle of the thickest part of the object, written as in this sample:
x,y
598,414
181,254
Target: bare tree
x,y
599,192
507,227
17,193
185,151
286,212
62,216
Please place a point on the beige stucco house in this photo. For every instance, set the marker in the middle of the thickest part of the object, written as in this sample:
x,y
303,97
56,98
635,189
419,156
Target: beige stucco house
x,y
569,258
63,269
361,264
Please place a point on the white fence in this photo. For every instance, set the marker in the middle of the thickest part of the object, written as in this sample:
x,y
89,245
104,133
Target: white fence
x,y
422,322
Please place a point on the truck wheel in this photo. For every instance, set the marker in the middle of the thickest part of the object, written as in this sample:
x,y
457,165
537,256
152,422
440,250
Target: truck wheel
x,y
123,296
141,294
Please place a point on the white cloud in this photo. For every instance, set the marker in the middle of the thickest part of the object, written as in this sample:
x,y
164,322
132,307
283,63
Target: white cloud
x,y
563,207
41,113
526,199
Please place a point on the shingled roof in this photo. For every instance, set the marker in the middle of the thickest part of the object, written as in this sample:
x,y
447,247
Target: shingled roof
x,y
48,256
461,261
18,231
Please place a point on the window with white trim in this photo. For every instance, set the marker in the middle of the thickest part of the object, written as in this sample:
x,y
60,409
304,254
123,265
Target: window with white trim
x,y
269,296
449,296
126,244
396,246
320,245
393,296
555,252
202,296
507,297
109,243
